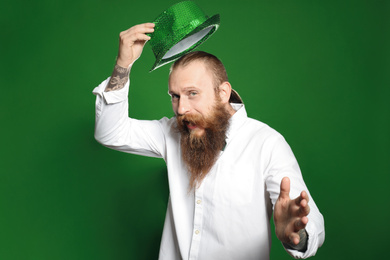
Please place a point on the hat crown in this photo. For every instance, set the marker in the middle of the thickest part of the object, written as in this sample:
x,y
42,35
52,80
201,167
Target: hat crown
x,y
176,23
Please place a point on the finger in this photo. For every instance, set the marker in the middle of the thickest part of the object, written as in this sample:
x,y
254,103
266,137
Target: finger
x,y
141,28
304,209
305,196
140,37
130,34
148,25
129,40
285,188
301,197
145,29
294,238
300,223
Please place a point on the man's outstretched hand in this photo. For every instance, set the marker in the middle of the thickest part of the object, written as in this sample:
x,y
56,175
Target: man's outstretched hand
x,y
290,215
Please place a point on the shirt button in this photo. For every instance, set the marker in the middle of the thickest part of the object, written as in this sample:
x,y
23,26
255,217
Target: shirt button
x,y
198,201
197,232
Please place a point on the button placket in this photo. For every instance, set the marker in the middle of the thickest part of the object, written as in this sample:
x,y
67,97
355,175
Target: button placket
x,y
198,219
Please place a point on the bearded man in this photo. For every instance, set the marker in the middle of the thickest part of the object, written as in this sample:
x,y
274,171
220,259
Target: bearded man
x,y
227,173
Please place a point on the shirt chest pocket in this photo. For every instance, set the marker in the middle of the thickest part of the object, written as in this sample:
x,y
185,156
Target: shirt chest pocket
x,y
234,184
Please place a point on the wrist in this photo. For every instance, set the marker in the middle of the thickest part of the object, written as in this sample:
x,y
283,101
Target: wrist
x,y
302,245
119,78
124,64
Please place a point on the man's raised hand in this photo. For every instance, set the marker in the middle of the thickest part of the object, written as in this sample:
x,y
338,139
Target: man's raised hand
x,y
132,42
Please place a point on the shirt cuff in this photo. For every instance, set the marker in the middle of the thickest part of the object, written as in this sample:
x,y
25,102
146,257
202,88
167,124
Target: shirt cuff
x,y
313,243
112,97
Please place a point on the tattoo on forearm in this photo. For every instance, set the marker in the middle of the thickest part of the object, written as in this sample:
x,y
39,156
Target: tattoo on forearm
x,y
118,79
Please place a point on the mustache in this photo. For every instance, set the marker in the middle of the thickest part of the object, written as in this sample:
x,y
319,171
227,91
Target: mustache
x,y
197,120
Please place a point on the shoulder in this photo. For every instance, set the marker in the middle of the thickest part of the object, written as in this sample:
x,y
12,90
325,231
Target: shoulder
x,y
259,128
249,126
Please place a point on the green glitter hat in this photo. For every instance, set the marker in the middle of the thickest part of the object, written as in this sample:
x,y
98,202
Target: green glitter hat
x,y
180,29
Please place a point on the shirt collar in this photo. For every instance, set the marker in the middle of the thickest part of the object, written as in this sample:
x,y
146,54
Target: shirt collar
x,y
236,120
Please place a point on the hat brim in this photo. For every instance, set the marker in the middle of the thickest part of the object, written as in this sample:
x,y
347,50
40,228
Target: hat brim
x,y
208,28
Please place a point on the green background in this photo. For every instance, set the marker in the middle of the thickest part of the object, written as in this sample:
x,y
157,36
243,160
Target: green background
x,y
317,71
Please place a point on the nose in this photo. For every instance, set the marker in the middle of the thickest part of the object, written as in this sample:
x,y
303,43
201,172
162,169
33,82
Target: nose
x,y
184,106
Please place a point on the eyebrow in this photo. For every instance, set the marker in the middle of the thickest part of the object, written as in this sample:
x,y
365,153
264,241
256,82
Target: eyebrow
x,y
184,90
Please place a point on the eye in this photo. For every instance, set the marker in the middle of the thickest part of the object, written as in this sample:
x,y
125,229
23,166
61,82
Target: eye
x,y
193,93
175,96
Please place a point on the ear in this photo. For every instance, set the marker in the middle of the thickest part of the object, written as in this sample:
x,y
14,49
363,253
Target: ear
x,y
225,90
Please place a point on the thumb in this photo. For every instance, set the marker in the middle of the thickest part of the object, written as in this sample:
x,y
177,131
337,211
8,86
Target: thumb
x,y
285,188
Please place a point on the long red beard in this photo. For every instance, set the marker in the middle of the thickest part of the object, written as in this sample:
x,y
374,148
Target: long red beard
x,y
200,152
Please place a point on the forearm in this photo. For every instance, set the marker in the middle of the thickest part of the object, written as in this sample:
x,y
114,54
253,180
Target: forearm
x,y
118,78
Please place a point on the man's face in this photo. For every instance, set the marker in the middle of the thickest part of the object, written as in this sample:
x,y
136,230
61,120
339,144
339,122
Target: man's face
x,y
202,118
192,91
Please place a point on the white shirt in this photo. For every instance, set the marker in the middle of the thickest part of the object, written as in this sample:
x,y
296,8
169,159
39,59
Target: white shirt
x,y
228,216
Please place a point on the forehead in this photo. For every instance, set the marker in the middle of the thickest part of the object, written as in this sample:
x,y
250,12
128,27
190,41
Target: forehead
x,y
194,74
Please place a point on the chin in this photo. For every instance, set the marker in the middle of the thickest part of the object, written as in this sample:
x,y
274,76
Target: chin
x,y
198,132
